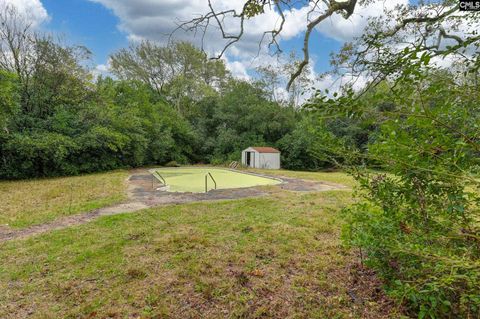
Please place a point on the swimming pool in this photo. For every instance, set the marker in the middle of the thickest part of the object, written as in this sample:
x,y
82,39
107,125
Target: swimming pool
x,y
192,179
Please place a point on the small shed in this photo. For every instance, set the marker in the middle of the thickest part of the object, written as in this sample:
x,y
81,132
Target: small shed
x,y
261,157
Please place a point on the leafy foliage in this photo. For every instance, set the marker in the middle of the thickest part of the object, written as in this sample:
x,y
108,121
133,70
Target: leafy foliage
x,y
312,146
9,99
240,116
418,224
170,104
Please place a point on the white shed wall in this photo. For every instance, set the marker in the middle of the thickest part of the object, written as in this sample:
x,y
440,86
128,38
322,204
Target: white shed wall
x,y
269,161
261,160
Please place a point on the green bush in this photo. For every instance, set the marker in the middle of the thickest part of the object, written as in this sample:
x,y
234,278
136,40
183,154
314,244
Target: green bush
x,y
419,225
172,164
311,146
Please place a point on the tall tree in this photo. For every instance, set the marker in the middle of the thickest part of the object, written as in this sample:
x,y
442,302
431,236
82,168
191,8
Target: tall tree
x,y
17,47
9,99
181,72
45,69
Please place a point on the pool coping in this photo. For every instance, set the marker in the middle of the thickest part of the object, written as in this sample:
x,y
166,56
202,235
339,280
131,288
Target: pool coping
x,y
279,179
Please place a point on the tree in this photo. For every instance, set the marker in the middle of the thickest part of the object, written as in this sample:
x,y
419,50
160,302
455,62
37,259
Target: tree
x,y
273,78
44,67
17,43
311,145
181,72
319,11
416,224
58,78
270,79
9,99
145,62
240,116
434,31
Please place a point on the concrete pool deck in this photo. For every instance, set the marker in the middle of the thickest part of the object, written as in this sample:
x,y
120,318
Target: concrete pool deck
x,y
142,195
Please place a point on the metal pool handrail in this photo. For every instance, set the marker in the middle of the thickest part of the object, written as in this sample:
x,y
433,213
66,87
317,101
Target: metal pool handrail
x,y
159,178
206,181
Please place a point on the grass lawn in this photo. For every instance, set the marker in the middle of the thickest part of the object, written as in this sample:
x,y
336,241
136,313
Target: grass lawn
x,y
277,256
333,177
26,203
269,257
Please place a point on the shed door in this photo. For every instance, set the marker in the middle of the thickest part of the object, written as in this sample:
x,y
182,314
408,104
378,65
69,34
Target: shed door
x,y
250,159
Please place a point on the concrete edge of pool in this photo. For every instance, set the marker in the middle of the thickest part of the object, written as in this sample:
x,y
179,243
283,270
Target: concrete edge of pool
x,y
161,177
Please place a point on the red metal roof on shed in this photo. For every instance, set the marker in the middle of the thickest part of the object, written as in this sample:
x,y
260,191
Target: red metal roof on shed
x,y
262,149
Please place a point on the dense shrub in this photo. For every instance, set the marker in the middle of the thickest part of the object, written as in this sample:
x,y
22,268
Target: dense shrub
x,y
418,225
311,146
122,125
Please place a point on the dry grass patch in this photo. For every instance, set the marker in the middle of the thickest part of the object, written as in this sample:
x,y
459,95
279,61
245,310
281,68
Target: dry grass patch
x,y
30,202
269,257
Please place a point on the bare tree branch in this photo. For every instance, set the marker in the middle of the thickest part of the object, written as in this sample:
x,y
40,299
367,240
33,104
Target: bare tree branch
x,y
347,7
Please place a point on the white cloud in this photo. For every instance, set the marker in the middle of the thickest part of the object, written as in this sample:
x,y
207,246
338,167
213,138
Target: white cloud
x,y
102,70
238,69
155,20
341,29
32,10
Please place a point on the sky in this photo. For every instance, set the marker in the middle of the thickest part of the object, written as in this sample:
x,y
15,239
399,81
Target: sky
x,y
105,26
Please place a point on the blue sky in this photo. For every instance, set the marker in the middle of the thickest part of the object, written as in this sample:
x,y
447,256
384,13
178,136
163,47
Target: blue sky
x,y
104,26
86,23
97,27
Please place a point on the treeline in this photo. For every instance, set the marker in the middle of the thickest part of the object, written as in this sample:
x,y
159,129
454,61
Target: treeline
x,y
162,104
58,119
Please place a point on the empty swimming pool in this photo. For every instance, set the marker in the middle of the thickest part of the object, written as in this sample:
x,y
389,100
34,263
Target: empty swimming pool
x,y
193,179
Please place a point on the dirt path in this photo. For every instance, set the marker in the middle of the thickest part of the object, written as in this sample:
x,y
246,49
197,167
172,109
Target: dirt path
x,y
142,195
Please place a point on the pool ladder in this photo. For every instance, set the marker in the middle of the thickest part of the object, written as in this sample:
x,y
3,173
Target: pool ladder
x,y
206,181
156,176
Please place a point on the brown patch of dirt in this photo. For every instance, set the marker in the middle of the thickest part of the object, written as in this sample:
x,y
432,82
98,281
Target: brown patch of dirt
x,y
365,290
9,234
